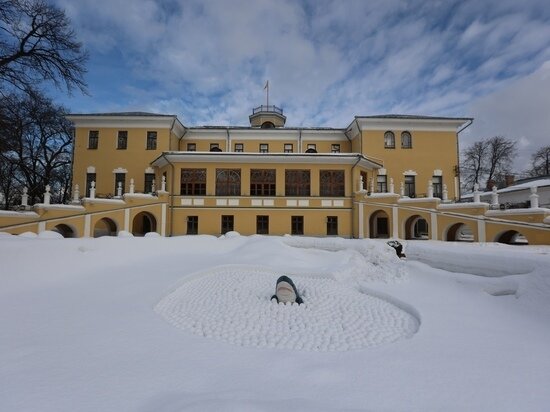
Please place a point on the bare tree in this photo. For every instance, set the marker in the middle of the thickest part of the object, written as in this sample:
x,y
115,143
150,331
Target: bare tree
x,y
40,139
540,162
37,43
487,161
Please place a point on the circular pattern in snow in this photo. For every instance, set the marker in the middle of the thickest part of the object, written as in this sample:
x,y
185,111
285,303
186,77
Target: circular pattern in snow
x,y
233,304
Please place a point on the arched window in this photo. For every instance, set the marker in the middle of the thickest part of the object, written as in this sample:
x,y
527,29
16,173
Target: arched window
x,y
406,140
389,140
228,182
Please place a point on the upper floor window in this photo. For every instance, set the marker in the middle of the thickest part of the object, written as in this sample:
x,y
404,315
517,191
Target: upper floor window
x,y
335,148
151,140
264,148
311,148
191,147
122,140
406,140
297,183
120,178
437,182
193,182
332,183
215,147
289,148
410,186
228,182
90,177
262,182
239,147
93,139
149,179
382,183
389,140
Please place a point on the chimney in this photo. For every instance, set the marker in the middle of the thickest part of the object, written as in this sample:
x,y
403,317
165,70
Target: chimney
x,y
509,180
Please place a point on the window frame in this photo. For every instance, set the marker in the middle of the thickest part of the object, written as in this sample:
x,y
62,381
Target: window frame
x,y
332,225
191,147
215,147
192,225
122,136
227,224
437,185
227,186
406,136
389,139
123,180
196,185
332,183
239,147
151,140
299,185
264,148
410,184
382,183
262,225
90,177
296,225
148,182
335,148
286,149
93,141
263,182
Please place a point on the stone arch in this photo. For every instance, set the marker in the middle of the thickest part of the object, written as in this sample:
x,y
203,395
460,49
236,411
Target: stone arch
x,y
459,232
416,227
143,223
65,230
379,225
105,227
512,237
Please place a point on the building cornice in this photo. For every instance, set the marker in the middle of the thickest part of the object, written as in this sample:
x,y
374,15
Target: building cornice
x,y
128,122
409,123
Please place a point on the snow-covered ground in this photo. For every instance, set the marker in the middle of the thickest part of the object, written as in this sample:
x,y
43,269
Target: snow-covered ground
x,y
172,324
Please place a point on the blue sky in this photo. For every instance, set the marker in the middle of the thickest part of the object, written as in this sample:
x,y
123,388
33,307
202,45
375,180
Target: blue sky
x,y
326,61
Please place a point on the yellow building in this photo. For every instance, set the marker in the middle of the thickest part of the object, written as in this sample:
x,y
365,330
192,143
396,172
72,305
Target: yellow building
x,y
381,176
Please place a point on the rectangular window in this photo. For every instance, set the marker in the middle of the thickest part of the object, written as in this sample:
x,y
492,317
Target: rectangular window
x,y
215,147
191,147
120,177
311,148
227,223
297,183
264,148
228,182
192,225
289,148
409,186
262,225
90,177
335,148
438,186
193,182
239,147
262,182
122,141
382,183
332,225
365,182
93,139
332,183
297,225
151,140
149,178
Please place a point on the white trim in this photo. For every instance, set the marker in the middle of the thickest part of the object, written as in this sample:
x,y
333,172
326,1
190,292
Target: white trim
x,y
122,122
163,219
398,125
433,225
87,225
481,235
127,220
360,210
90,169
382,172
198,202
410,173
269,202
395,222
120,170
438,172
41,226
149,170
338,203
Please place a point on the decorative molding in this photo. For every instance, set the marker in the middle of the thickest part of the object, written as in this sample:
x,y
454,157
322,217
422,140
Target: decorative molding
x,y
149,170
438,172
382,172
120,170
410,173
90,169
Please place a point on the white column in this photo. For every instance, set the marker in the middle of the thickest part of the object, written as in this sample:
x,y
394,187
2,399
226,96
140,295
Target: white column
x,y
361,233
433,224
494,197
163,184
41,227
119,189
92,190
132,186
534,198
87,224
445,193
127,220
47,195
395,222
163,218
481,230
430,188
76,194
402,189
392,186
477,194
25,197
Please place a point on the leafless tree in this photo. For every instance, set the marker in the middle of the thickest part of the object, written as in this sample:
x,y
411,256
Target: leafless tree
x,y
38,44
540,162
40,147
488,161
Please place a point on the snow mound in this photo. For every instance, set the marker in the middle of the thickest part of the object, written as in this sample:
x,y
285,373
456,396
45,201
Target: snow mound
x,y
5,234
28,234
152,234
124,233
232,304
50,234
232,234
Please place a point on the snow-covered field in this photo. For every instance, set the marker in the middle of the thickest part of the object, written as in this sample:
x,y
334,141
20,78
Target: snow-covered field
x,y
186,324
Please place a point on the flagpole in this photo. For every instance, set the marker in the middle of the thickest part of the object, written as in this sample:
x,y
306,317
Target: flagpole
x,y
267,86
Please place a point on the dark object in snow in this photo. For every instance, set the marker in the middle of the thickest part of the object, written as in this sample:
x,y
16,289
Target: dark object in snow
x,y
285,291
398,248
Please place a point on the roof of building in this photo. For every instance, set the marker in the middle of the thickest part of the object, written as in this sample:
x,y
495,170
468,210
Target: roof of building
x,y
411,117
125,114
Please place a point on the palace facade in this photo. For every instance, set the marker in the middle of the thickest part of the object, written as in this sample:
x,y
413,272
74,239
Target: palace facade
x,y
380,176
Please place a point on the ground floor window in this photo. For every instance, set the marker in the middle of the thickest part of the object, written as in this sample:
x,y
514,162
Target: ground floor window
x,y
227,223
332,225
262,225
297,225
192,225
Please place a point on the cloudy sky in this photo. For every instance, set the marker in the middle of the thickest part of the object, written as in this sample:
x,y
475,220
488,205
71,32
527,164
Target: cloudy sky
x,y
326,61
